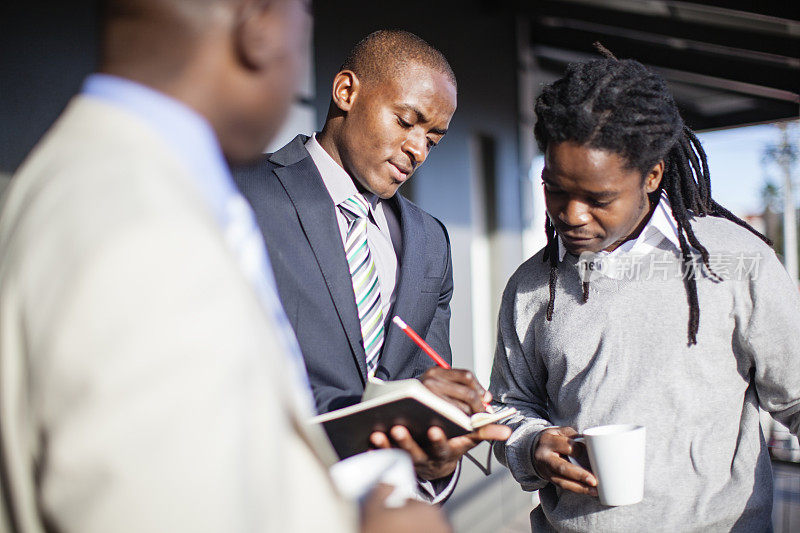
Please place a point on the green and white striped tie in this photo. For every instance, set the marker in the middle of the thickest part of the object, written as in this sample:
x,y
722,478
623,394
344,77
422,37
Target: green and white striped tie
x,y
366,286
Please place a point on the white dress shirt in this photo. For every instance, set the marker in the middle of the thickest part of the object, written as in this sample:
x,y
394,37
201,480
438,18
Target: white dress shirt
x,y
383,229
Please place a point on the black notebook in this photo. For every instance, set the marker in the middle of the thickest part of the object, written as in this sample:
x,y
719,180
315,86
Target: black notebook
x,y
405,402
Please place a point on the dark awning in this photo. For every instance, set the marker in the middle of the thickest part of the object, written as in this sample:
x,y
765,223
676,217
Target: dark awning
x,y
728,62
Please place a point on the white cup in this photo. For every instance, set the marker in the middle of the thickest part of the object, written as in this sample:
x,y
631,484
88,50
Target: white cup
x,y
616,454
357,475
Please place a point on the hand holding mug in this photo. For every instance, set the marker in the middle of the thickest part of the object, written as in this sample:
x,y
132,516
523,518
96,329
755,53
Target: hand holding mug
x,y
617,456
549,460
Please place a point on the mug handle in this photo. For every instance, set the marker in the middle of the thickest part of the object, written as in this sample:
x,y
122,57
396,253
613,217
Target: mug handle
x,y
579,438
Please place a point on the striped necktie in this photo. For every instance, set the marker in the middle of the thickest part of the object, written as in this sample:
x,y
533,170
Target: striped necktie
x,y
366,285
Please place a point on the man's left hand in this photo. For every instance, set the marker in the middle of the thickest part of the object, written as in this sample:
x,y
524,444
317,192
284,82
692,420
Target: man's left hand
x,y
443,455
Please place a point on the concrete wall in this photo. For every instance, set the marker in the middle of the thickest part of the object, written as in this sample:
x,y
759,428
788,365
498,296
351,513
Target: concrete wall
x,y
46,49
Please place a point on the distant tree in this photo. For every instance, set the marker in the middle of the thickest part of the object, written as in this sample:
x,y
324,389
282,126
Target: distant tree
x,y
785,150
784,156
771,201
771,196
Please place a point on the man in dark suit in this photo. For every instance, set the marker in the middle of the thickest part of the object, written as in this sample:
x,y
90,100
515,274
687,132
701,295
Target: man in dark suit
x,y
349,254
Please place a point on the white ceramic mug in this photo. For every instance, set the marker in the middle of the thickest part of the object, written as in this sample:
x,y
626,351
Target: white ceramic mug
x,y
616,454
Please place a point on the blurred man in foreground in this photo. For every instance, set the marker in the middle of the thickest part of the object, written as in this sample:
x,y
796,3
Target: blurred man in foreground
x,y
149,380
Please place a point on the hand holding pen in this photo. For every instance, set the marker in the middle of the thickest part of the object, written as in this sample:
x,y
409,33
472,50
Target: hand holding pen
x,y
458,386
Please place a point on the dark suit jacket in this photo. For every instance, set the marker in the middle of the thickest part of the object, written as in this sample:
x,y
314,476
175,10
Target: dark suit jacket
x,y
298,220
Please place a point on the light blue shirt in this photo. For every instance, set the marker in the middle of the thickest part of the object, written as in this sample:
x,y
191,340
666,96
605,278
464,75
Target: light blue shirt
x,y
192,139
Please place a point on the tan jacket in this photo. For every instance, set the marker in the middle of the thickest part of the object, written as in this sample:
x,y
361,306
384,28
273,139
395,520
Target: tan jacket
x,y
142,388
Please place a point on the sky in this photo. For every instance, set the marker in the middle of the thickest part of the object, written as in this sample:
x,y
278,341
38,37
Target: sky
x,y
737,173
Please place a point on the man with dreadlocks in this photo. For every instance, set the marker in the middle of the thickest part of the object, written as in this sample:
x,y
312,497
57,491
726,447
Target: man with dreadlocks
x,y
581,345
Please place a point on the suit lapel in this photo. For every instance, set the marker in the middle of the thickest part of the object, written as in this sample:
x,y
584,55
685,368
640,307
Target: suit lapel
x,y
317,216
398,349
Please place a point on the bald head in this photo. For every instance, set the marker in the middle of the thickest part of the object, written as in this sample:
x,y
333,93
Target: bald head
x,y
387,53
160,34
391,104
235,62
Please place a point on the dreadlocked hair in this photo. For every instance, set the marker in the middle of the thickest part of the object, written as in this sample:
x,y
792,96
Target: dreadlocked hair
x,y
622,107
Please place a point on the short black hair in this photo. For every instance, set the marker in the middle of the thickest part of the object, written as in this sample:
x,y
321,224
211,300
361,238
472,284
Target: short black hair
x,y
386,52
622,107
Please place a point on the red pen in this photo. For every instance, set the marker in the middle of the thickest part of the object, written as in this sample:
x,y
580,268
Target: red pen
x,y
419,341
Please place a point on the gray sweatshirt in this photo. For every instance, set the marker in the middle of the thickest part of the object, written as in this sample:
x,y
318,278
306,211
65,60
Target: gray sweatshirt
x,y
623,357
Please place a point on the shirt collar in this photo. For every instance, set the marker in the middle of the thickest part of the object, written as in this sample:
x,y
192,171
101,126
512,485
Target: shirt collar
x,y
662,225
338,182
187,133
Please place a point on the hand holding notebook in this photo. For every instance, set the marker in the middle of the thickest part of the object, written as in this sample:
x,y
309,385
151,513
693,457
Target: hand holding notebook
x,y
442,455
435,431
406,403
